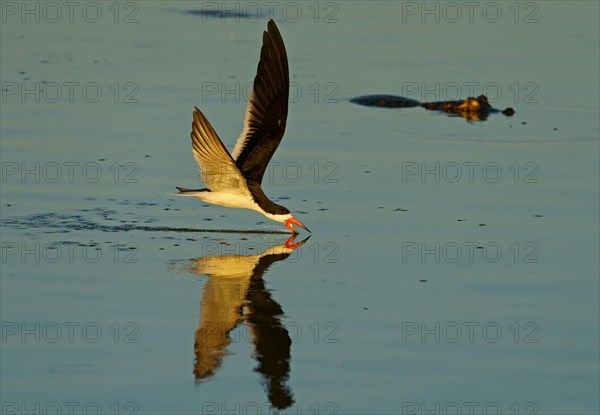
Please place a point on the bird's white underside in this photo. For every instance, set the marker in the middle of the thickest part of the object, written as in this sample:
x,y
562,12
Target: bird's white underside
x,y
234,200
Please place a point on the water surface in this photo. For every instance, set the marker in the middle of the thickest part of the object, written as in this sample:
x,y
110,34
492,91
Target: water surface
x,y
452,263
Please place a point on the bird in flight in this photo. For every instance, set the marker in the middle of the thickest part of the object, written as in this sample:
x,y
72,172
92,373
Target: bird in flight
x,y
234,180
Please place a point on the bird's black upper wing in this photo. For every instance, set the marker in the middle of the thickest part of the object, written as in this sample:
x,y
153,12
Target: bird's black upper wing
x,y
267,109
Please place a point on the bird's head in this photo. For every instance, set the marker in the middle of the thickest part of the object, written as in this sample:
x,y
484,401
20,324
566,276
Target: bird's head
x,y
287,219
284,216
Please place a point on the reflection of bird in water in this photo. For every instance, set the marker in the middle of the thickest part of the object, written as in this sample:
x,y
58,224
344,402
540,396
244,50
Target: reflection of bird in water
x,y
236,293
234,180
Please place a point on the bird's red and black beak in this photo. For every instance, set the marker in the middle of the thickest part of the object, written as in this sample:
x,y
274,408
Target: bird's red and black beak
x,y
293,221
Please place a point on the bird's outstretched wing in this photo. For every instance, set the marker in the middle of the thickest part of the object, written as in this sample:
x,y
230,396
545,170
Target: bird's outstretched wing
x,y
266,113
217,169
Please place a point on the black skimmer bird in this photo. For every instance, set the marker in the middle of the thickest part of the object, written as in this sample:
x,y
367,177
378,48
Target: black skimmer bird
x,y
234,180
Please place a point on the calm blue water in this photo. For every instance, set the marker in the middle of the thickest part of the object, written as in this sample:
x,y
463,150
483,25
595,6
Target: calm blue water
x,y
453,266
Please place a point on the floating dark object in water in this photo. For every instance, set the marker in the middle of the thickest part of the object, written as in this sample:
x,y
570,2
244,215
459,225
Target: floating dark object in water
x,y
471,109
221,13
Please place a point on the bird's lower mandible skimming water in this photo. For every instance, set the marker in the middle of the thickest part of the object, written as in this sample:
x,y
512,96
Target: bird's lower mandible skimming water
x,y
234,180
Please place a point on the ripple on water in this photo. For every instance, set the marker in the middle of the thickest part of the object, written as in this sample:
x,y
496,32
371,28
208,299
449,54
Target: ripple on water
x,y
58,222
74,369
